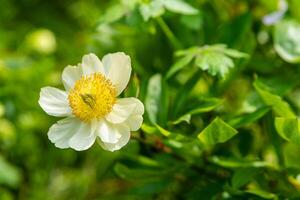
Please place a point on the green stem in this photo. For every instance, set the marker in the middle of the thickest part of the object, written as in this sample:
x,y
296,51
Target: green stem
x,y
165,28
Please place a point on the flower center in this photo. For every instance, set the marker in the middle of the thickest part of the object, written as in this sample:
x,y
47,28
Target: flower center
x,y
92,97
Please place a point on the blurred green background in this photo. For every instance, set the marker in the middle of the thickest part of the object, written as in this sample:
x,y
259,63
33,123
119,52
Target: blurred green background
x,y
193,61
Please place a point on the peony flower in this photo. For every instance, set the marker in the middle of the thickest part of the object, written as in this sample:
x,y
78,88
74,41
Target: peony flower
x,y
91,106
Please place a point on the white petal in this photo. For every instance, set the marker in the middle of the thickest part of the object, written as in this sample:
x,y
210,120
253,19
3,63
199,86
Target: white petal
x,y
124,108
70,75
91,64
123,140
118,69
139,107
134,122
61,132
108,132
54,102
121,110
84,138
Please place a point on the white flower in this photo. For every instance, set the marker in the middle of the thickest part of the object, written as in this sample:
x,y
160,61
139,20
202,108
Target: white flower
x,y
91,106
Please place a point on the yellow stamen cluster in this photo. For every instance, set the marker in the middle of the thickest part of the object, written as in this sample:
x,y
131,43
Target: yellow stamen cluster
x,y
92,97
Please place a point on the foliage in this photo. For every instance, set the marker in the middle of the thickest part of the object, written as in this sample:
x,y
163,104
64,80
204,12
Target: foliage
x,y
221,91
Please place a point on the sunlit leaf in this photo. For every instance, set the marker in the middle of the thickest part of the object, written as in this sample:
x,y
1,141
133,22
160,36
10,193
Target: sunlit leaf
x,y
288,128
184,118
262,193
217,132
179,6
238,163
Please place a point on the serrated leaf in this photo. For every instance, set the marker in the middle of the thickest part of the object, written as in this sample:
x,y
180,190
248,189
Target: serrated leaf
x,y
215,63
215,59
288,128
279,106
217,132
287,40
179,6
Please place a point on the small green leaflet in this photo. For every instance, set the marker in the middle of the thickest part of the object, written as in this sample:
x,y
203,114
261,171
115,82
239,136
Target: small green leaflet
x,y
217,132
216,59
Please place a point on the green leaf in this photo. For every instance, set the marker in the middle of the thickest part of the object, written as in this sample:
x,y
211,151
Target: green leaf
x,y
261,193
9,174
113,14
291,156
138,173
243,176
288,128
279,106
206,105
217,132
194,22
238,163
153,97
157,8
184,92
163,131
215,59
287,40
215,63
235,53
181,63
179,6
248,118
151,10
184,118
